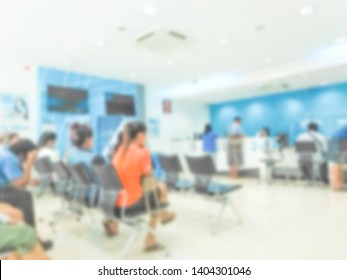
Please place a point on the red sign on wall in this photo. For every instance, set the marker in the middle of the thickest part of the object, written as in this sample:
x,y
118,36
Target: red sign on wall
x,y
167,107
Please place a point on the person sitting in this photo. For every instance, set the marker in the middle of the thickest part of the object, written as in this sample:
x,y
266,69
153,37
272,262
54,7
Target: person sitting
x,y
46,150
19,238
321,143
14,178
83,153
16,164
83,147
132,163
46,147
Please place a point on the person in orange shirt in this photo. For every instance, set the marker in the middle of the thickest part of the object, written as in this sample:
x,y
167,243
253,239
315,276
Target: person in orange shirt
x,y
132,162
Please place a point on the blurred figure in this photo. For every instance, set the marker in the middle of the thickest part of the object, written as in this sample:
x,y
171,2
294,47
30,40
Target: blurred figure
x,y
133,165
16,163
82,137
265,140
264,149
209,140
321,143
83,153
235,147
47,144
15,172
18,236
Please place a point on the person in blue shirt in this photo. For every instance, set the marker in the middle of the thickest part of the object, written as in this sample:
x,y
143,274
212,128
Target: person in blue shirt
x,y
16,163
236,127
209,140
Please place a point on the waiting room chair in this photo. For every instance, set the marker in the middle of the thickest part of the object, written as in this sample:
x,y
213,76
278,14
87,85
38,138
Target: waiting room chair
x,y
43,167
84,190
204,170
172,168
110,187
64,190
64,179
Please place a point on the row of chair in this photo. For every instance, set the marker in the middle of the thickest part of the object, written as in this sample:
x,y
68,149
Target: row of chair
x,y
73,184
77,188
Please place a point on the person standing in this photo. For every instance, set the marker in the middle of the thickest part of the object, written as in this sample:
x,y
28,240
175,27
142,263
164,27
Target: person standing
x,y
209,141
320,158
235,147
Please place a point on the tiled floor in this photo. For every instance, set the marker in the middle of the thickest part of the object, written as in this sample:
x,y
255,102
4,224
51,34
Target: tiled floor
x,y
279,222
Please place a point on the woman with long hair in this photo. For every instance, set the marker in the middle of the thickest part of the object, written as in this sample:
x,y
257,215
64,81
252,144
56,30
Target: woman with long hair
x,y
132,162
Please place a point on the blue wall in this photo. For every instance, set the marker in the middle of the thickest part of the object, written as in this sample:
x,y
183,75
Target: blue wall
x,y
285,112
102,125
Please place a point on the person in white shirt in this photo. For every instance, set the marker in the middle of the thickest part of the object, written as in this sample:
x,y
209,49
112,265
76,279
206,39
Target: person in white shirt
x,y
321,142
47,144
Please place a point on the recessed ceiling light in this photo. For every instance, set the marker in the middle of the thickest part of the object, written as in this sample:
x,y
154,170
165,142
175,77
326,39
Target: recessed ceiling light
x,y
306,10
224,41
268,59
341,40
171,62
150,10
100,43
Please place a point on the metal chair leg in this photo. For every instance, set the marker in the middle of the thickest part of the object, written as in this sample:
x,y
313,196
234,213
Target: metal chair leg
x,y
233,206
221,210
130,241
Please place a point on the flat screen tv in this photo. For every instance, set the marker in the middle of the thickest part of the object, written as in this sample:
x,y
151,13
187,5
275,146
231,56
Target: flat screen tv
x,y
120,104
67,100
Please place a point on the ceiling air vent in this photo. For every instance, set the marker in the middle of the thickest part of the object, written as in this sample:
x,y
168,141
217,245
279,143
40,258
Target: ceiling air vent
x,y
162,41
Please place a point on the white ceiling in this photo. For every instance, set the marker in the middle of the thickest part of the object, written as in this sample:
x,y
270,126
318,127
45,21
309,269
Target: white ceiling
x,y
98,37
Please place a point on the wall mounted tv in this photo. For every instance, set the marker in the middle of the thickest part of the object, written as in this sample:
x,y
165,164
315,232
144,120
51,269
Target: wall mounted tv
x,y
120,104
67,100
